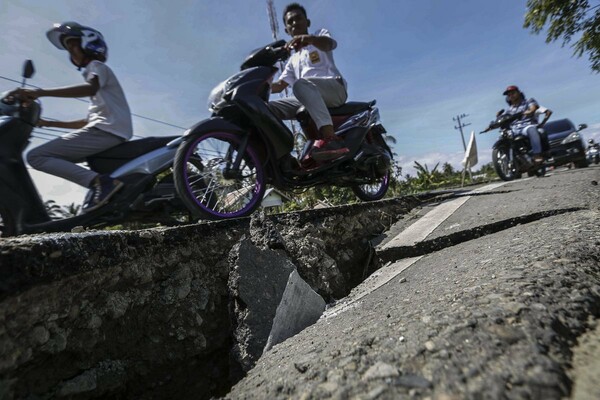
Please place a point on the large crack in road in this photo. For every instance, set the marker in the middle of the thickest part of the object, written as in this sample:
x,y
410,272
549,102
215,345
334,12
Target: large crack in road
x,y
493,310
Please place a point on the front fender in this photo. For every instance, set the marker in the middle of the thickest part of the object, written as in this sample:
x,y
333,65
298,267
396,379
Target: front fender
x,y
212,124
502,142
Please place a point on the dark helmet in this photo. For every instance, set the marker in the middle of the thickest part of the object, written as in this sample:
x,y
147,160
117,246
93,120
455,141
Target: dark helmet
x,y
510,89
92,41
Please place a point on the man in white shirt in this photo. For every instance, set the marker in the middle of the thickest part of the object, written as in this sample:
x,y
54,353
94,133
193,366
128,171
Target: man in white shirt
x,y
315,80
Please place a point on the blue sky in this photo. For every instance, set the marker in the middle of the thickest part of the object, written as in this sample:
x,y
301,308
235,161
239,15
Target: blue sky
x,y
424,61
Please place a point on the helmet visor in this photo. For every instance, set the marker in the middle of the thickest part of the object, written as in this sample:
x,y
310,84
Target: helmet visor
x,y
60,32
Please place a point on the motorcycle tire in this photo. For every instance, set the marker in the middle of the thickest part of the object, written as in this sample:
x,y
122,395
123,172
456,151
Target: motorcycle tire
x,y
205,184
7,224
538,172
501,158
373,191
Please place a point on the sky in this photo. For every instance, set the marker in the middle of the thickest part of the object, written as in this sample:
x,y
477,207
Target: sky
x,y
425,62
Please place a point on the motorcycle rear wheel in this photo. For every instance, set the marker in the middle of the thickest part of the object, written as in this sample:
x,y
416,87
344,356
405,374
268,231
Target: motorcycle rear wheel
x,y
504,164
207,185
373,191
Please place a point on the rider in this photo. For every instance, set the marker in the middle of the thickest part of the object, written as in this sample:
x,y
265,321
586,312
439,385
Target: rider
x,y
527,123
315,80
108,122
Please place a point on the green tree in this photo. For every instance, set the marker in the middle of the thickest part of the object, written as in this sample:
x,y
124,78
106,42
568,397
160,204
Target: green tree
x,y
70,210
448,169
426,179
568,20
54,210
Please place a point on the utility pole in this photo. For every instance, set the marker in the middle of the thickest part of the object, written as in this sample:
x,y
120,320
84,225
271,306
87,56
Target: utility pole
x,y
460,126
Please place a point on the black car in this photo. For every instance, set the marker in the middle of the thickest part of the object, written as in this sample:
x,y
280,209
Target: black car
x,y
566,143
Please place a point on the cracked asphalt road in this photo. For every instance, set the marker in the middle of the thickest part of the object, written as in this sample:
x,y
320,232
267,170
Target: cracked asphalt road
x,y
510,314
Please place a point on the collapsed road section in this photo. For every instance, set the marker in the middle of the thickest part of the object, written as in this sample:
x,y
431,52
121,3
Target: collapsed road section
x,y
495,304
157,313
187,312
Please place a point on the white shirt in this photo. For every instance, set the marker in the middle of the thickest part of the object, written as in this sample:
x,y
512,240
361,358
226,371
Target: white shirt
x,y
108,109
310,62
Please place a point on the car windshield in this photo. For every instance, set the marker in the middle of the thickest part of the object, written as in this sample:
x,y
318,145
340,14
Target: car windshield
x,y
561,125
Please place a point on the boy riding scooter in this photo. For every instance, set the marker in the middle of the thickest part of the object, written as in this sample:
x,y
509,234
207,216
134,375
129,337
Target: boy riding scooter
x,y
315,81
108,122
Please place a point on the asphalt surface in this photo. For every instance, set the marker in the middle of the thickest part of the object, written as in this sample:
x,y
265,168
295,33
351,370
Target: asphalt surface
x,y
499,301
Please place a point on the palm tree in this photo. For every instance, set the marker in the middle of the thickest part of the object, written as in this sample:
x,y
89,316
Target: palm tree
x,y
54,210
71,210
425,178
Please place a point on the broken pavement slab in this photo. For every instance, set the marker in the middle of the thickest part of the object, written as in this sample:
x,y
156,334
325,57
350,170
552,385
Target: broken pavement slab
x,y
270,301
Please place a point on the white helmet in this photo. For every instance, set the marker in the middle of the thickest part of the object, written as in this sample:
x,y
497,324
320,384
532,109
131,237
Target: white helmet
x,y
92,41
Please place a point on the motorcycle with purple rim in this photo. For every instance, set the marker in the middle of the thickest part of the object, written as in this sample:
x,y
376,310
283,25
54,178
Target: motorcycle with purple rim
x,y
224,163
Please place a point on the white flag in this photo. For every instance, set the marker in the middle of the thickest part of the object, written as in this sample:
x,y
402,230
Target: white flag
x,y
471,153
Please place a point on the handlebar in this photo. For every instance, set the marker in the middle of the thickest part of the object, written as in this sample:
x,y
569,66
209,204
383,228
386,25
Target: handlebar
x,y
502,121
280,52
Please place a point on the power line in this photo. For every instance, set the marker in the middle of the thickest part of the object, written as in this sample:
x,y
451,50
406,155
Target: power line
x,y
85,101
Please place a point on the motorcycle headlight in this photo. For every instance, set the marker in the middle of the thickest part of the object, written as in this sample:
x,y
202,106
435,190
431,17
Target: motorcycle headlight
x,y
215,96
572,138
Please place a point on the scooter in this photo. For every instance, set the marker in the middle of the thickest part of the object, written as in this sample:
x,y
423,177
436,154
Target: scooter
x,y
225,162
144,166
511,153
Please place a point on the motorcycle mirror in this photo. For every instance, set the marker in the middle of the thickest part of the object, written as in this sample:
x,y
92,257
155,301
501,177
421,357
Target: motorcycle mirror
x,y
28,69
581,126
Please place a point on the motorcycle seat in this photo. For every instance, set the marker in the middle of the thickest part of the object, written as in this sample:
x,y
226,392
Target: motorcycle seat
x,y
111,159
134,148
349,108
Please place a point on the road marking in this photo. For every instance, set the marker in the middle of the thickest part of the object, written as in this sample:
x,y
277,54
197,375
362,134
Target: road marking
x,y
413,234
418,231
369,285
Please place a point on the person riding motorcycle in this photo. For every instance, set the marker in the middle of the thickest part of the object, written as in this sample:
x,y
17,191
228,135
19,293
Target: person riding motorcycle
x,y
592,144
527,124
108,122
315,80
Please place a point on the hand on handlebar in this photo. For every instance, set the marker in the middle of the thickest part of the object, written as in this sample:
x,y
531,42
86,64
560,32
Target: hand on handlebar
x,y
298,42
24,94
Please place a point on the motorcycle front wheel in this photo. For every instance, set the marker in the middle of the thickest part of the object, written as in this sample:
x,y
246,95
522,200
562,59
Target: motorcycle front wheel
x,y
504,163
208,182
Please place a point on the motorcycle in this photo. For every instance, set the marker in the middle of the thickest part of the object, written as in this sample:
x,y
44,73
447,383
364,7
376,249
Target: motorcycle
x,y
225,162
592,154
144,166
511,154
